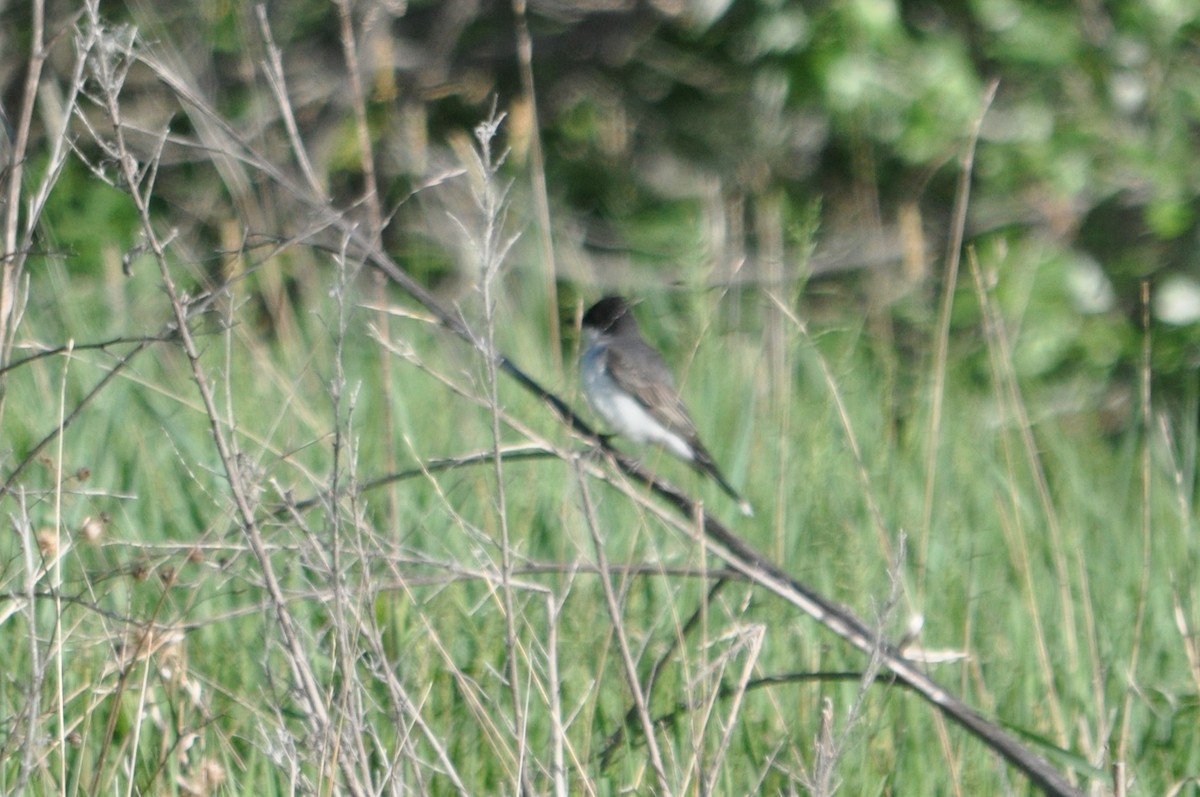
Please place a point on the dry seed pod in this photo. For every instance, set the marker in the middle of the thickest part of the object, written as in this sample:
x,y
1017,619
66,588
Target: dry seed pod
x,y
91,530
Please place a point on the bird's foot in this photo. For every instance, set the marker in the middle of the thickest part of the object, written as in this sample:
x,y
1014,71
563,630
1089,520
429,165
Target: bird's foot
x,y
603,443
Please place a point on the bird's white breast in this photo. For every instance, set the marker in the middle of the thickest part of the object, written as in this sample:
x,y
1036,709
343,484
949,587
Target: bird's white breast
x,y
622,412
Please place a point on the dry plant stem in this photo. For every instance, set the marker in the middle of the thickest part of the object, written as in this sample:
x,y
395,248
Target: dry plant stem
x,y
1122,751
32,709
537,164
278,82
830,747
10,267
613,742
14,253
136,182
558,733
881,531
347,685
144,638
143,691
57,582
365,151
101,345
1017,536
508,453
1187,633
410,707
998,338
297,656
820,676
506,559
754,644
492,250
410,712
949,281
366,155
69,418
614,613
75,600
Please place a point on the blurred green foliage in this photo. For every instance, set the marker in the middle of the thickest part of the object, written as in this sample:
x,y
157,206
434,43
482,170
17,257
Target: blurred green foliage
x,y
1086,155
660,120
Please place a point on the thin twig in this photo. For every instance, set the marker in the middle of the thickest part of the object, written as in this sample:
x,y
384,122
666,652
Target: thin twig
x,y
110,77
618,627
1000,362
1122,751
72,416
491,249
537,177
10,268
617,737
949,282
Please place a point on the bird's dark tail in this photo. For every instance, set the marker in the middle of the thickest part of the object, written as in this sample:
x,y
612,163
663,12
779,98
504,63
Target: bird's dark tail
x,y
704,463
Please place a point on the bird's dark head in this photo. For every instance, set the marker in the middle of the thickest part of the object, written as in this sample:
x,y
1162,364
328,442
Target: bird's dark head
x,y
608,315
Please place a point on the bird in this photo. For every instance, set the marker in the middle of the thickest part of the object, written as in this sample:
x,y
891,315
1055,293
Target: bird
x,y
629,386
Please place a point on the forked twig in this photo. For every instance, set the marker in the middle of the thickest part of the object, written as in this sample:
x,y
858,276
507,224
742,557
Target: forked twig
x,y
614,611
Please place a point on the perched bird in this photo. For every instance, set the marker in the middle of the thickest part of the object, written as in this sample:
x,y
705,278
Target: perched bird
x,y
628,385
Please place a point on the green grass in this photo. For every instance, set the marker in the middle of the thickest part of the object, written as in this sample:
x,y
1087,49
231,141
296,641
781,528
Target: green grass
x,y
172,553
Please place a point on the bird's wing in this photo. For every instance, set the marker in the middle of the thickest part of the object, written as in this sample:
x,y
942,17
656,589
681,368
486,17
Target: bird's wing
x,y
652,385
